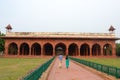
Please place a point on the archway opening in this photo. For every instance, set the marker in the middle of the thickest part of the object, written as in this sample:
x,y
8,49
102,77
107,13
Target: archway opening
x,y
36,49
84,50
107,49
96,50
13,49
48,49
24,49
73,50
60,49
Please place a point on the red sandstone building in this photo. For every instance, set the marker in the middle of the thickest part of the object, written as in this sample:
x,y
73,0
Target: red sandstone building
x,y
46,43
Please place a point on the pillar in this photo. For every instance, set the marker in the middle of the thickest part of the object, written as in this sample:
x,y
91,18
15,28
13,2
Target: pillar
x,y
42,51
6,51
90,51
102,51
18,50
29,51
78,51
66,50
53,50
114,51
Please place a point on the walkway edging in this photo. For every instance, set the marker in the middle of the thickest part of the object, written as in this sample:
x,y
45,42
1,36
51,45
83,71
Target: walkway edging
x,y
103,75
46,73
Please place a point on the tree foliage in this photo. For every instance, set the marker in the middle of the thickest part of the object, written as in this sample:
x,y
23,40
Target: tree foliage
x,y
118,49
2,42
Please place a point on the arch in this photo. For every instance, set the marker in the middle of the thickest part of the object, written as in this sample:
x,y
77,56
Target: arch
x,y
96,49
107,49
13,49
36,49
63,49
24,49
84,50
73,49
48,49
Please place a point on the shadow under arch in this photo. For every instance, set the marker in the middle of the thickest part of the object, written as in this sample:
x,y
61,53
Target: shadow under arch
x,y
24,49
107,49
48,49
62,50
36,49
12,49
96,50
73,50
84,50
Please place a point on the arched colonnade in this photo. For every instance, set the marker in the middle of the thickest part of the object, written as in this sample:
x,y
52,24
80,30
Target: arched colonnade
x,y
50,49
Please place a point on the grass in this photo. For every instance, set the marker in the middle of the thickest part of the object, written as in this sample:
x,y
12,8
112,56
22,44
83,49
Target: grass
x,y
115,62
15,68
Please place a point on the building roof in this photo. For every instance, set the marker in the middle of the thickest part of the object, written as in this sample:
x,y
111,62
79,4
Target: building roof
x,y
60,35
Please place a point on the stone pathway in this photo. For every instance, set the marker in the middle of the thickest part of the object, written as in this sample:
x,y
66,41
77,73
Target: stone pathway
x,y
74,72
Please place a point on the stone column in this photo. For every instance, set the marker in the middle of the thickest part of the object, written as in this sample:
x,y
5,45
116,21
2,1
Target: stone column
x,y
101,51
6,50
66,50
114,51
42,51
78,51
91,51
53,50
18,50
29,51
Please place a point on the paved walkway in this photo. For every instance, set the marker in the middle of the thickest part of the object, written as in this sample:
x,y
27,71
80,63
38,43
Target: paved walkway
x,y
74,72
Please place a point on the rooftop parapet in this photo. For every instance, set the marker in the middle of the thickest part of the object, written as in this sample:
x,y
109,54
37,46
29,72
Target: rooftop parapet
x,y
60,34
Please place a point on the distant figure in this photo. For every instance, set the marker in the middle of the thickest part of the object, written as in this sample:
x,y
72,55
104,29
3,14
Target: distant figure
x,y
67,61
60,60
60,57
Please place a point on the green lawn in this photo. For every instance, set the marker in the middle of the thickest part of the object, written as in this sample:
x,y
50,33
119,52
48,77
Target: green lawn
x,y
14,68
106,61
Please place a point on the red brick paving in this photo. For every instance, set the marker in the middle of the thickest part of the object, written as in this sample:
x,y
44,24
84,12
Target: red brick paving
x,y
74,72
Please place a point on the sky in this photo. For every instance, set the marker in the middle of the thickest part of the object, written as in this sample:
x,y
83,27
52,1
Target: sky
x,y
90,16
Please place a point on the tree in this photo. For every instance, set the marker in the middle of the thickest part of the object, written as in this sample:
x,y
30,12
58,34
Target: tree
x,y
2,42
118,49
